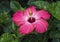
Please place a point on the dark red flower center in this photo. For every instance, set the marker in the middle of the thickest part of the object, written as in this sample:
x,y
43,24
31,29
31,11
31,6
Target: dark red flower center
x,y
31,19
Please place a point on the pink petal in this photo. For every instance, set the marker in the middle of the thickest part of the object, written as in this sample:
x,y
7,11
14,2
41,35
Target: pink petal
x,y
43,14
32,8
26,29
18,18
41,26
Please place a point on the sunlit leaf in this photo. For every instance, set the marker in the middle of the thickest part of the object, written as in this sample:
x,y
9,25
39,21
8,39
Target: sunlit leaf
x,y
6,38
54,9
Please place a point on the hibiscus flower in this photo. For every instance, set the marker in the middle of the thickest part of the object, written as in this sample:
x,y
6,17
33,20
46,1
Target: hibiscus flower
x,y
31,19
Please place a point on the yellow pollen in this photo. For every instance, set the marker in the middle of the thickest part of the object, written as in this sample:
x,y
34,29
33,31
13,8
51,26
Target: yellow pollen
x,y
30,12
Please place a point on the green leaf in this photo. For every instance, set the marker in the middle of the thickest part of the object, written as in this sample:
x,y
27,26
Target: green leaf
x,y
54,28
55,34
40,4
16,40
57,15
6,37
56,40
4,10
13,26
33,38
5,22
14,5
29,2
54,9
58,26
4,6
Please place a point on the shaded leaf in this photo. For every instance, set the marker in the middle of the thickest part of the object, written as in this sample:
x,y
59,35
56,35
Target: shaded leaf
x,y
40,4
56,40
14,5
55,34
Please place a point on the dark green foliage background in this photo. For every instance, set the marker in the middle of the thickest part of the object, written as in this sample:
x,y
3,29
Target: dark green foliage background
x,y
9,31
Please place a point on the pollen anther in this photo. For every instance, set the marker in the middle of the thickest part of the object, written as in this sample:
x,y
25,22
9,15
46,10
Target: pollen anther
x,y
30,12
